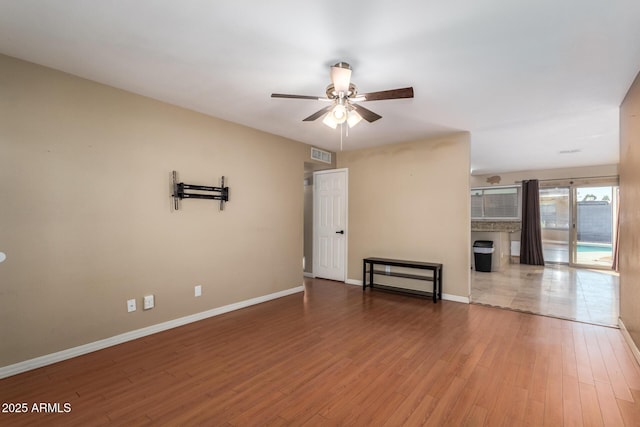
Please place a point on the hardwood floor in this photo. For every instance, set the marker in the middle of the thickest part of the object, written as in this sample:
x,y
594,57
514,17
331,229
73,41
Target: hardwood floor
x,y
337,356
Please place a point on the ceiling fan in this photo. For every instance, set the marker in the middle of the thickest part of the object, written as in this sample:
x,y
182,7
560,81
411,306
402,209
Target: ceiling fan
x,y
344,98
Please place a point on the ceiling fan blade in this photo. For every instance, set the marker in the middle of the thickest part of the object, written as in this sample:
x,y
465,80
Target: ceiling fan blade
x,y
318,114
405,92
366,114
284,95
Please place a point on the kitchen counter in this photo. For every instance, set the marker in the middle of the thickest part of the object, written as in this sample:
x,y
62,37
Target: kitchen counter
x,y
501,226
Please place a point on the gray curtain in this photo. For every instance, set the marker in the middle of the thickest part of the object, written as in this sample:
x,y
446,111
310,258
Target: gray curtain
x,y
531,234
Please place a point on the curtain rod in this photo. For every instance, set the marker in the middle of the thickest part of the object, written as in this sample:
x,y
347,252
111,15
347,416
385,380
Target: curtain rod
x,y
568,179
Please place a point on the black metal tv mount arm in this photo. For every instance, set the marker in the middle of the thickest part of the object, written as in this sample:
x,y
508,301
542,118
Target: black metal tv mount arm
x,y
179,192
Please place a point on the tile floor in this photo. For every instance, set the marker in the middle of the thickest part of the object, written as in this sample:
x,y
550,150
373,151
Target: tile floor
x,y
585,295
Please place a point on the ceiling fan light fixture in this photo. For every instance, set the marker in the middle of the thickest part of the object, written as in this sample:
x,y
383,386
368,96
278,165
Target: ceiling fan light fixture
x,y
339,113
354,118
329,120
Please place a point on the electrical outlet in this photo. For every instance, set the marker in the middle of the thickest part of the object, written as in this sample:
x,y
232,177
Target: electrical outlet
x,y
131,305
198,290
148,302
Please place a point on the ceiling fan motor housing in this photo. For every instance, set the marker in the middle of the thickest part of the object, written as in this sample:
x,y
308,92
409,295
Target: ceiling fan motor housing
x,y
343,65
352,92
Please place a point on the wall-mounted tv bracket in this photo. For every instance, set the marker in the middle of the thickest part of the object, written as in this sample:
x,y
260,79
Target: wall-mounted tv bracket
x,y
179,192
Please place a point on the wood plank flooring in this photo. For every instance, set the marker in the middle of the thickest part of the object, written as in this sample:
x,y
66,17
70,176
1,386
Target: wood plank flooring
x,y
337,356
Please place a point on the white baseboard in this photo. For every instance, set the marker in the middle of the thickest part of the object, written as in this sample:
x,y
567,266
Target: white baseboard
x,y
627,337
353,282
455,298
305,274
38,362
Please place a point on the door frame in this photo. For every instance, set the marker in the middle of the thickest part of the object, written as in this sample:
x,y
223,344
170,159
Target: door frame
x,y
346,221
573,235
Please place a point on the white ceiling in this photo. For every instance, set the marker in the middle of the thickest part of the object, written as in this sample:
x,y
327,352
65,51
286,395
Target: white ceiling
x,y
527,78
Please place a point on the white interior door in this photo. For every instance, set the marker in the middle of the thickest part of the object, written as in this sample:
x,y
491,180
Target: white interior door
x,y
330,224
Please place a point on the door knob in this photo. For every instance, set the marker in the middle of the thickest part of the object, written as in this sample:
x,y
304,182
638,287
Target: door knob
x,y
340,232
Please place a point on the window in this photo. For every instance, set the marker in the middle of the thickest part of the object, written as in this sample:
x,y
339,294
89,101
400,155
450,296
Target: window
x,y
495,203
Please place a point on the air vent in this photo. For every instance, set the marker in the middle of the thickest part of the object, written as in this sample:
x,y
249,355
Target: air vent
x,y
320,155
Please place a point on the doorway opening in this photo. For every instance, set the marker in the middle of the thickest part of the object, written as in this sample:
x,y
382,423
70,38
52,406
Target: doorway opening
x,y
324,260
578,230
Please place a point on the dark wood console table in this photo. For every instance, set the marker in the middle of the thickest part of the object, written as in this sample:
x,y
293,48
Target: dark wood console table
x,y
435,277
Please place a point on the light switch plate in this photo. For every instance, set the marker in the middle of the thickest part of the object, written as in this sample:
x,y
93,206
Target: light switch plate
x,y
198,290
148,302
131,305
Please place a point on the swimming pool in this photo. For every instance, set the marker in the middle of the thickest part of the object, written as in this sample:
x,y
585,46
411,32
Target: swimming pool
x,y
593,247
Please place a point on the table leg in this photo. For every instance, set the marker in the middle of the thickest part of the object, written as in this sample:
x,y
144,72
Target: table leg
x,y
364,275
371,275
435,285
440,284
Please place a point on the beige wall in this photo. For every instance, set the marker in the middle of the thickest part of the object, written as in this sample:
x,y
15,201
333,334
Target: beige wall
x,y
630,211
411,201
86,220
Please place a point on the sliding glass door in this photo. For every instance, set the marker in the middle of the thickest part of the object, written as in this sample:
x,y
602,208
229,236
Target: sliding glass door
x,y
594,219
555,218
579,224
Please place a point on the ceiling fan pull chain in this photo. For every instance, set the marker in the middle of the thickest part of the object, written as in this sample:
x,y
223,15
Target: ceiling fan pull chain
x,y
341,127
